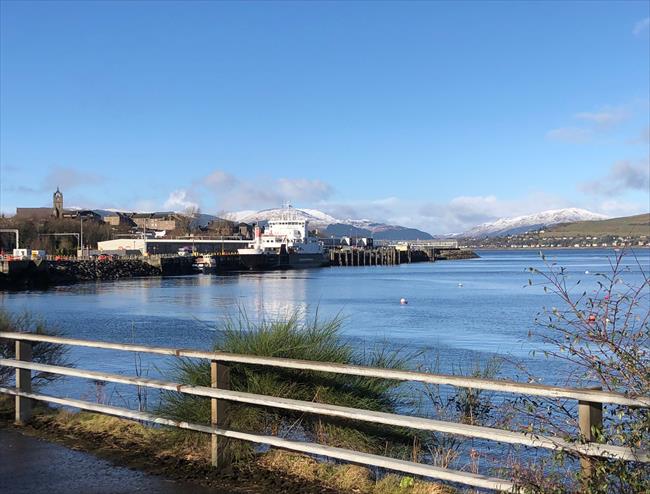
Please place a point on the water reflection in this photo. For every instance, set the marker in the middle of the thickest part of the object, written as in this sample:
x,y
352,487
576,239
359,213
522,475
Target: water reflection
x,y
492,313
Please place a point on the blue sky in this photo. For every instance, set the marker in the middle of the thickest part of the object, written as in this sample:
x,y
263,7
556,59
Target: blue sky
x,y
429,114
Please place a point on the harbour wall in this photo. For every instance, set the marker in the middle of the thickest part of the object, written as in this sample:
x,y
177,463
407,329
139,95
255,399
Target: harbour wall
x,y
27,274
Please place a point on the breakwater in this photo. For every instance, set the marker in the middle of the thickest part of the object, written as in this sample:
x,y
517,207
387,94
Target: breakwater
x,y
453,254
27,274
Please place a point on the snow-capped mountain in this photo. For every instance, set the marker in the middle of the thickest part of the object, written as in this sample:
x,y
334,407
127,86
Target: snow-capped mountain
x,y
520,224
316,218
329,225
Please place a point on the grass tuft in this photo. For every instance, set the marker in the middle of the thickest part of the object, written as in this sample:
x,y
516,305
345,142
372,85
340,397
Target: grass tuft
x,y
296,336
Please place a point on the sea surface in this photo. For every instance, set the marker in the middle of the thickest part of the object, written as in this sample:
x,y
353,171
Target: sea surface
x,y
460,314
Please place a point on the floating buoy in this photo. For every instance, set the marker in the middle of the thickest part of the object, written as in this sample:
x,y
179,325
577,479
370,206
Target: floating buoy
x,y
587,272
460,284
403,301
591,318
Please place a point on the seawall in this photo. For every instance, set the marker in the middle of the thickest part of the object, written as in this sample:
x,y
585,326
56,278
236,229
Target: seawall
x,y
20,275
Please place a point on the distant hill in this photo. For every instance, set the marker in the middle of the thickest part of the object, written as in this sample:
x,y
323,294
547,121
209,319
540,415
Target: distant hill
x,y
331,226
520,224
628,225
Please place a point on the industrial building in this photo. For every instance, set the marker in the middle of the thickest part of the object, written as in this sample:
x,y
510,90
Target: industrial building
x,y
226,245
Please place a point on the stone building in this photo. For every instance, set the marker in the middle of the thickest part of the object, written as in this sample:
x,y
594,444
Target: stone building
x,y
57,204
75,214
56,211
34,213
119,220
155,221
150,221
227,228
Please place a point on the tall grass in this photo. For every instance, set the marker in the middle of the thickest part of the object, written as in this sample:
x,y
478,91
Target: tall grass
x,y
42,352
298,336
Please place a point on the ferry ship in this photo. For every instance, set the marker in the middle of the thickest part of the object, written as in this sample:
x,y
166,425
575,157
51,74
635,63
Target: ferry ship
x,y
284,244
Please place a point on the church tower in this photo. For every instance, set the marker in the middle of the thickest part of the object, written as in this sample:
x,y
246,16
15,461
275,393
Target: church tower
x,y
57,202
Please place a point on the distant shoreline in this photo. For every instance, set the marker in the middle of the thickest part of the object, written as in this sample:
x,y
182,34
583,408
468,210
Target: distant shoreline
x,y
561,248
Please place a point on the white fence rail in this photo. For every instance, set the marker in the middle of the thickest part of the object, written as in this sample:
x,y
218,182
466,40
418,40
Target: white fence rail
x,y
590,406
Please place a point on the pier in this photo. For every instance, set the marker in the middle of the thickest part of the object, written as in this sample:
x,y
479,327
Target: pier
x,y
395,255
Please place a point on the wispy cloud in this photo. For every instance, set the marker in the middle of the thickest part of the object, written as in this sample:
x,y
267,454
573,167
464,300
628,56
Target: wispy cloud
x,y
623,176
228,192
384,210
642,138
301,189
592,124
605,117
67,178
641,26
573,135
616,207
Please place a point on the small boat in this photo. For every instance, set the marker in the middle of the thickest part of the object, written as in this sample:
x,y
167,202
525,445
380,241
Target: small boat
x,y
205,264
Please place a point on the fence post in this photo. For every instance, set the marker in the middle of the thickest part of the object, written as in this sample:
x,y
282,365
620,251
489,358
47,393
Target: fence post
x,y
219,378
23,383
590,418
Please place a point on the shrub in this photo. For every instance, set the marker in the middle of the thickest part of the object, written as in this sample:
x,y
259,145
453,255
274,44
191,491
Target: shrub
x,y
297,336
604,336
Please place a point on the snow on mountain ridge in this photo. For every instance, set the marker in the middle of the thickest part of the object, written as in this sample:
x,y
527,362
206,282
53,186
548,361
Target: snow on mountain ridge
x,y
518,224
315,217
321,220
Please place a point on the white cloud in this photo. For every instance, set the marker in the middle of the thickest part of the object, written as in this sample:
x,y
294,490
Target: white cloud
x,y
641,26
179,200
224,192
464,212
232,193
573,135
303,189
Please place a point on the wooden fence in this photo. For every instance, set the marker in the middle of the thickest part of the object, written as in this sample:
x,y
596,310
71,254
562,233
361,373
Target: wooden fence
x,y
590,403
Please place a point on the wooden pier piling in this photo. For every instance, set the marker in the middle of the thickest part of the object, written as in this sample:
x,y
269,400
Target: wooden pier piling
x,y
381,256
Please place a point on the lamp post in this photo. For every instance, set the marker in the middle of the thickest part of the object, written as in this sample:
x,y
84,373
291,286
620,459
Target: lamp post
x,y
81,239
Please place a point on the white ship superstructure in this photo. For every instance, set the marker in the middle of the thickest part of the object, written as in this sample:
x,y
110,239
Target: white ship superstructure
x,y
285,242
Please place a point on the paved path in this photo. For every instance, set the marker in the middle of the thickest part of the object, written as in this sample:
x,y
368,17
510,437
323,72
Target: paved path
x,y
32,466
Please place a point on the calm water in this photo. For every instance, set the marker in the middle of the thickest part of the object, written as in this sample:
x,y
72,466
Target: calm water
x,y
457,326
